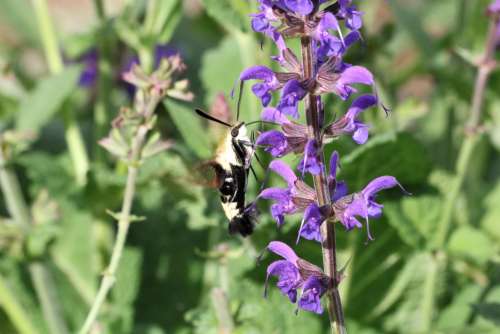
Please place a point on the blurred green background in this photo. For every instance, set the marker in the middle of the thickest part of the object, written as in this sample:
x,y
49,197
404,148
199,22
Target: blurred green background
x,y
413,278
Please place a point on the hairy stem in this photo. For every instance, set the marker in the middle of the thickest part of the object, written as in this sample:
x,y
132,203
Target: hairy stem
x,y
40,275
314,121
73,136
486,65
124,220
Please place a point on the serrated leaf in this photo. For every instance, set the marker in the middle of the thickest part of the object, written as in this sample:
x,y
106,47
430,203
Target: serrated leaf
x,y
471,244
38,107
399,155
189,125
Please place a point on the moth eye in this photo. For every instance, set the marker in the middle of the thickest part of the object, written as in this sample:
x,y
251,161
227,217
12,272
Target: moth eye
x,y
234,132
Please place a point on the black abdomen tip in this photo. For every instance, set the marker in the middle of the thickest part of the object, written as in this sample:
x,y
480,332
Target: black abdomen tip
x,y
242,225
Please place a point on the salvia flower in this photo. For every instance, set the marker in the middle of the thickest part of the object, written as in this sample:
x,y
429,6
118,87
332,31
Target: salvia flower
x,y
292,138
294,273
350,124
363,204
295,198
311,162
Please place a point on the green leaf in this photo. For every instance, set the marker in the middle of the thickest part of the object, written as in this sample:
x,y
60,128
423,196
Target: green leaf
x,y
399,155
489,311
226,15
455,316
189,125
414,218
45,100
471,244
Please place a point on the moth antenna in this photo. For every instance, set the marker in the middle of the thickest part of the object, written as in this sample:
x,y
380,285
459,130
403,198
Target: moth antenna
x,y
211,118
242,83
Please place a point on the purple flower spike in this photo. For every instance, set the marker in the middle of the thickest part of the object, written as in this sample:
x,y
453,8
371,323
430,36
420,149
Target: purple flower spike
x,y
292,93
363,204
311,162
494,7
312,291
310,227
269,82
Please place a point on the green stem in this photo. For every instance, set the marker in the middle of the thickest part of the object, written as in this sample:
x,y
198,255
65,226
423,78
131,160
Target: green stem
x,y
73,136
485,67
14,310
42,280
124,220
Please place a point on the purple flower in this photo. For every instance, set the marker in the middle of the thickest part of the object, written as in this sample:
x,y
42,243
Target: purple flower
x,y
348,12
302,7
292,93
494,7
294,273
296,197
293,138
363,204
310,226
311,162
90,71
262,89
349,123
337,77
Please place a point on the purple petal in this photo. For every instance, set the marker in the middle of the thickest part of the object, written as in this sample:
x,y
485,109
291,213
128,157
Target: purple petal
x,y
291,95
257,72
284,171
275,194
380,183
360,136
284,251
273,115
340,191
334,162
311,162
312,221
494,7
288,278
303,7
356,75
275,142
310,300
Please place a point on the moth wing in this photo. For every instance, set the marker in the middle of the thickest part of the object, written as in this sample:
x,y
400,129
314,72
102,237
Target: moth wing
x,y
208,174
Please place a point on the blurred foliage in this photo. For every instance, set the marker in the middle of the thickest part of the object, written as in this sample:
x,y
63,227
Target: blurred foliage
x,y
420,52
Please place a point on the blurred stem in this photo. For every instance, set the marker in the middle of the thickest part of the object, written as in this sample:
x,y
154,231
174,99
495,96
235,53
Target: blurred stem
x,y
335,311
40,276
13,309
222,311
485,67
76,146
124,220
104,82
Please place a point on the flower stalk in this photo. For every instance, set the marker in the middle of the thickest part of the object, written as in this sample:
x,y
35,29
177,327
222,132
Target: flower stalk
x,y
131,142
485,66
328,245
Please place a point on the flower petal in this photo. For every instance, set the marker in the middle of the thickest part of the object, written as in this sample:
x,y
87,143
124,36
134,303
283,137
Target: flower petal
x,y
275,142
303,7
380,183
283,250
310,300
310,229
276,194
284,171
257,72
273,115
